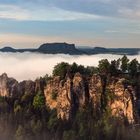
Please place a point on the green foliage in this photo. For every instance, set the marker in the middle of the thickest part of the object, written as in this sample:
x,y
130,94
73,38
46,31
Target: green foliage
x,y
17,108
39,101
133,67
104,66
61,70
124,63
114,66
91,70
47,78
27,117
83,70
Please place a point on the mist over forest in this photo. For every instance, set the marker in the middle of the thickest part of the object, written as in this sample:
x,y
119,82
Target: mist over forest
x,y
24,66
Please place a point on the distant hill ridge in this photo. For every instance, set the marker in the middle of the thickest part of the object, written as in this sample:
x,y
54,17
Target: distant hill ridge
x,y
65,48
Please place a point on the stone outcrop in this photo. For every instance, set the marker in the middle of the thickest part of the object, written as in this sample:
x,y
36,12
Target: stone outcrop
x,y
73,93
121,103
7,86
95,89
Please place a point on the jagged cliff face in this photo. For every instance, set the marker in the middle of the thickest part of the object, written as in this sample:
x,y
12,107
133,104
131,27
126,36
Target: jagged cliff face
x,y
121,103
71,94
95,90
7,86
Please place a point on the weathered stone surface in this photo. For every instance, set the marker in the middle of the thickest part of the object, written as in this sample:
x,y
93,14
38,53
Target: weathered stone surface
x,y
122,106
7,86
95,89
51,88
70,94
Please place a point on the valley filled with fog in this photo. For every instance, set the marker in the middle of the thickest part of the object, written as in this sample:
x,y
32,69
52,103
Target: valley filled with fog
x,y
24,66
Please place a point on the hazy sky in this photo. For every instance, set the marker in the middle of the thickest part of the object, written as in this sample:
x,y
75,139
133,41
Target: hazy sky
x,y
108,23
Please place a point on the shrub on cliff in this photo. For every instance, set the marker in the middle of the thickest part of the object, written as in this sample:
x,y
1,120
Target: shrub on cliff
x,y
39,101
104,66
61,70
124,63
133,67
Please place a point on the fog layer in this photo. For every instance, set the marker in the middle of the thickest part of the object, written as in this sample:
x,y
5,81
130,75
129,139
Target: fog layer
x,y
23,66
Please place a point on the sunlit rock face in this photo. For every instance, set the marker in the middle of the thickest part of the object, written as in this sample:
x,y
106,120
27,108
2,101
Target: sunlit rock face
x,y
51,88
7,86
64,99
57,96
95,89
72,93
121,103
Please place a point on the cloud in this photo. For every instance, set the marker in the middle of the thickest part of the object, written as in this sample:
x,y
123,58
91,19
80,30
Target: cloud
x,y
24,66
130,13
137,32
13,12
69,10
109,8
41,14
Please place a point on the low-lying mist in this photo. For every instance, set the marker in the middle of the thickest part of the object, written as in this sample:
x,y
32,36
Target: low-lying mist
x,y
23,66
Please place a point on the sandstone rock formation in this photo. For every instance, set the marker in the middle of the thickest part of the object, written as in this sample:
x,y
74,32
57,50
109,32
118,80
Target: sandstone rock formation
x,y
121,103
7,86
71,96
73,93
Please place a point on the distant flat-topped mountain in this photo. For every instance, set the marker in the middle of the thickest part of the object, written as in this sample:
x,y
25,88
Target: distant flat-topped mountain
x,y
54,48
48,48
65,48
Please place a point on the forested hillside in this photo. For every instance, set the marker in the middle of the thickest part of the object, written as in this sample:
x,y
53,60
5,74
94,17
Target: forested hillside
x,y
75,103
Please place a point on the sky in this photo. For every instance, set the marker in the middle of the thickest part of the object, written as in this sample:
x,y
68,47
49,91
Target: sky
x,y
106,23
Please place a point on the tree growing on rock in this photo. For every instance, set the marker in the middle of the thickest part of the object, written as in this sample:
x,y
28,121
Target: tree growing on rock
x,y
133,67
61,70
124,63
39,101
